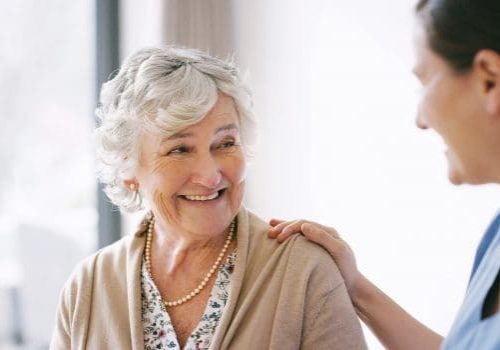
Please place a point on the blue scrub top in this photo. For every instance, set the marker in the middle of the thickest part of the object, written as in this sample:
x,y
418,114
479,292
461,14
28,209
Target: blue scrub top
x,y
469,330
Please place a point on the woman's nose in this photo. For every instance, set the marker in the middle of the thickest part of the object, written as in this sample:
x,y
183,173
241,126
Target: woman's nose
x,y
207,172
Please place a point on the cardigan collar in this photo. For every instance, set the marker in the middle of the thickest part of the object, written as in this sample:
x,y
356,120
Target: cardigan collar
x,y
242,234
142,228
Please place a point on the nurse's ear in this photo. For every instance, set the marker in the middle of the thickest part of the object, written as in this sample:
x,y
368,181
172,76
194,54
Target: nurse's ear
x,y
487,67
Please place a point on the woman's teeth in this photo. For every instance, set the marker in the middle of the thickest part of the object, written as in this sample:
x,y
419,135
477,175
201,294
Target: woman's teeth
x,y
202,198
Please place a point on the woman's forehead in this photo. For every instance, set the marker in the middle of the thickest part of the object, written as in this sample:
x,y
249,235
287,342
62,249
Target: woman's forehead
x,y
211,124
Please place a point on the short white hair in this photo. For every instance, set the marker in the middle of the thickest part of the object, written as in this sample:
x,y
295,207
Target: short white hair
x,y
165,89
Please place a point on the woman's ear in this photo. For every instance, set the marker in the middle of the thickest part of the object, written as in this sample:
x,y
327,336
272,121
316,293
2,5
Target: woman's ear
x,y
131,184
487,66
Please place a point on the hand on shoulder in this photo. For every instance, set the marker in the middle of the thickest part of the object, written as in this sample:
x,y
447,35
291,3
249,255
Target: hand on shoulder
x,y
328,238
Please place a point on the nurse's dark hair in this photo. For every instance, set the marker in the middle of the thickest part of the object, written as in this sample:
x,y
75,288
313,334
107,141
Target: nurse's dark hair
x,y
458,29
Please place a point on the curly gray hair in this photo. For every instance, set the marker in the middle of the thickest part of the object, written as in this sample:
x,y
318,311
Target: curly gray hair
x,y
166,89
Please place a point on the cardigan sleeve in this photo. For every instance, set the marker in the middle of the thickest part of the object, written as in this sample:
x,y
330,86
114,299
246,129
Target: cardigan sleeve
x,y
333,324
70,330
330,321
61,338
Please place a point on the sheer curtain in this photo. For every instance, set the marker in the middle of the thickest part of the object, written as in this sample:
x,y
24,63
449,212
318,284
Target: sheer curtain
x,y
205,25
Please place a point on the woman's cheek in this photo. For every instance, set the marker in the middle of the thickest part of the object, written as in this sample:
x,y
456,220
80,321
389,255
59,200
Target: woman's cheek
x,y
241,169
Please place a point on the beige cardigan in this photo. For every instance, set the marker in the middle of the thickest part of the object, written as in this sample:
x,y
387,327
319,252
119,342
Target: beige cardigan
x,y
288,296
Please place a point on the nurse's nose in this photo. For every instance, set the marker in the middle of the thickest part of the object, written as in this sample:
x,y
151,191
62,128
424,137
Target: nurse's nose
x,y
420,120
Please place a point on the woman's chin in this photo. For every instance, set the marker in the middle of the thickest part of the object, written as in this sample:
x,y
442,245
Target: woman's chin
x,y
204,224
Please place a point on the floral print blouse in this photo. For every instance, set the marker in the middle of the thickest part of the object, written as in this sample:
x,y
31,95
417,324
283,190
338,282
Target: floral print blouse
x,y
159,332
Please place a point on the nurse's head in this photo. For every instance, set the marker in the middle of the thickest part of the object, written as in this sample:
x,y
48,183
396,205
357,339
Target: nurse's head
x,y
458,63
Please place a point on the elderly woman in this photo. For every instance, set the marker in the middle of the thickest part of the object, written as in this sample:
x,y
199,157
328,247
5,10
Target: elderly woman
x,y
458,64
200,273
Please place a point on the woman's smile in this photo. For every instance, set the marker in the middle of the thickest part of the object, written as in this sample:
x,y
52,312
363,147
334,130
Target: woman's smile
x,y
202,197
205,200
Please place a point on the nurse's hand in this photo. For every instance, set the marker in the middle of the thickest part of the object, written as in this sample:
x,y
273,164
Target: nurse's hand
x,y
329,239
392,325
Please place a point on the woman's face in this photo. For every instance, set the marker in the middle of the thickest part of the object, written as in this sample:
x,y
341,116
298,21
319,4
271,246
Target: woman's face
x,y
195,179
450,104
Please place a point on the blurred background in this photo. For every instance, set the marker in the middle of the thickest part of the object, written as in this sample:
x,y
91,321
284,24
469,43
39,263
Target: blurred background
x,y
335,101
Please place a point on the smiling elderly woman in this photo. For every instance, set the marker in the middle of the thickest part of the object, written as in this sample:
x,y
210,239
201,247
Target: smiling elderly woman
x,y
200,272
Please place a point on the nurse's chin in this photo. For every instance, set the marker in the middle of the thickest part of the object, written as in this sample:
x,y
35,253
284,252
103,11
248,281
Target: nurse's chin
x,y
454,174
463,176
455,179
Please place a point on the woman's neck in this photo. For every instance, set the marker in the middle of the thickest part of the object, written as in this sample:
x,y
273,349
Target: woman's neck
x,y
175,250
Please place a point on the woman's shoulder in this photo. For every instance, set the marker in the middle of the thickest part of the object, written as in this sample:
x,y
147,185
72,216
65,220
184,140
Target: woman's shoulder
x,y
297,254
299,244
108,259
118,252
312,260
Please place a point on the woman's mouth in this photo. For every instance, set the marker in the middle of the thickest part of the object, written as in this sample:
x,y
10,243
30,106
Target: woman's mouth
x,y
203,198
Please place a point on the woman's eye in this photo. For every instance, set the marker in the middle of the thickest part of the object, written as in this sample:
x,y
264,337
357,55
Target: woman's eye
x,y
227,144
179,150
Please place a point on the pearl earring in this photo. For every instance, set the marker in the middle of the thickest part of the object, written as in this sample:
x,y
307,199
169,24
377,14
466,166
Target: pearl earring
x,y
133,187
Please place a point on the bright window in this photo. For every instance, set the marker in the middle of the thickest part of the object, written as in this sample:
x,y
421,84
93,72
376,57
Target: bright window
x,y
47,206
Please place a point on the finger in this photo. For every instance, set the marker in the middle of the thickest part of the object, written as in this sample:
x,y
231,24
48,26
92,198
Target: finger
x,y
276,230
290,229
285,229
279,225
309,226
332,243
327,229
273,222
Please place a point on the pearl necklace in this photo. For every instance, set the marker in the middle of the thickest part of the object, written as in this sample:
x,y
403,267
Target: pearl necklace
x,y
204,282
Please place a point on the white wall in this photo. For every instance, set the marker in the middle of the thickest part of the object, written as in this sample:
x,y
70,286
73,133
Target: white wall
x,y
271,49
336,103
